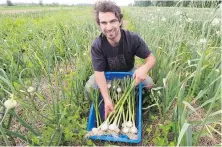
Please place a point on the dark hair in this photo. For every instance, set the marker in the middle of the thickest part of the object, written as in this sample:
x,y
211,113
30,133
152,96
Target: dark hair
x,y
107,6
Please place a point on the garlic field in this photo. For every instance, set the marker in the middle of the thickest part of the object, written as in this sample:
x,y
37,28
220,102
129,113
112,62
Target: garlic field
x,y
45,63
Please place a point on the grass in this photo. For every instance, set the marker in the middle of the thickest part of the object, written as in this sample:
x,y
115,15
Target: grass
x,y
51,53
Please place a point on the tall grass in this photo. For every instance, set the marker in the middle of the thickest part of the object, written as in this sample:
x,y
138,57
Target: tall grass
x,y
47,51
187,45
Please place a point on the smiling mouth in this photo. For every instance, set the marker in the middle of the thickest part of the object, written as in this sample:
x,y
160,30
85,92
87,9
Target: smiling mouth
x,y
110,32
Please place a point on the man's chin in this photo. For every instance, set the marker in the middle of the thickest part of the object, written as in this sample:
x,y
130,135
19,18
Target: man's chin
x,y
110,38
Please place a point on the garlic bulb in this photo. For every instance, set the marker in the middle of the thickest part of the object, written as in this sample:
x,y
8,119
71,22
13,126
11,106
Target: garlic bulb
x,y
133,130
118,90
124,124
10,103
125,130
112,127
95,130
129,124
109,85
104,127
117,130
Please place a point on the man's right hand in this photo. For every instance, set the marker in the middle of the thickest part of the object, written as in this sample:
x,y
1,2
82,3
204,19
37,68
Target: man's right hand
x,y
108,105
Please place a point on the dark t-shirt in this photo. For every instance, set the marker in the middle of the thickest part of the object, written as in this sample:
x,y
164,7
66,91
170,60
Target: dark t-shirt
x,y
121,58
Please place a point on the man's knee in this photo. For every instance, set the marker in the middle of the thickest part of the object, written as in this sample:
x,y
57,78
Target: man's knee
x,y
148,83
91,83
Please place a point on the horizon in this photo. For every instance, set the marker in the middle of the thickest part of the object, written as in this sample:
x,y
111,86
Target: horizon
x,y
66,2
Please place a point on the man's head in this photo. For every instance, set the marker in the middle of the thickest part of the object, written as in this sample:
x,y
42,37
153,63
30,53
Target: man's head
x,y
109,18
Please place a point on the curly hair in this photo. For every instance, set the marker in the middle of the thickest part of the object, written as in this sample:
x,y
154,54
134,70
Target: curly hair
x,y
107,6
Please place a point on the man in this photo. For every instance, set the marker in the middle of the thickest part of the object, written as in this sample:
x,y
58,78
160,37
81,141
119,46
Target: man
x,y
115,50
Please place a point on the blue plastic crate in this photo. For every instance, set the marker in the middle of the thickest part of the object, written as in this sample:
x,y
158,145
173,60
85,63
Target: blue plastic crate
x,y
120,138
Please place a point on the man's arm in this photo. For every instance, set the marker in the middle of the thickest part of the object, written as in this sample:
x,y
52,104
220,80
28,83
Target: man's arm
x,y
141,73
101,82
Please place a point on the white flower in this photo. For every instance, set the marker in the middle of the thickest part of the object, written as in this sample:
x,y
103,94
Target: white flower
x,y
217,70
189,20
164,82
22,91
189,62
163,19
218,33
159,93
30,89
215,22
203,41
178,13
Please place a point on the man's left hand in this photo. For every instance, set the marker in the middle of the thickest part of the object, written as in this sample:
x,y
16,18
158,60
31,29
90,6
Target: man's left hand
x,y
140,74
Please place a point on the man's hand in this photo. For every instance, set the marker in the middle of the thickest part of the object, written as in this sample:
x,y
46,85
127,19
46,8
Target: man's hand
x,y
108,105
140,74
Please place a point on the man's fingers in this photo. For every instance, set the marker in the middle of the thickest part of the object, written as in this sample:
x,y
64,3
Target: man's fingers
x,y
111,108
137,81
108,110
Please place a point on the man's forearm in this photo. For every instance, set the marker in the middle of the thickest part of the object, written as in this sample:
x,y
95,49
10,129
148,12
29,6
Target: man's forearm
x,y
150,62
101,82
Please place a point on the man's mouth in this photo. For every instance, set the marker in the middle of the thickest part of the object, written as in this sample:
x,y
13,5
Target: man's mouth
x,y
110,32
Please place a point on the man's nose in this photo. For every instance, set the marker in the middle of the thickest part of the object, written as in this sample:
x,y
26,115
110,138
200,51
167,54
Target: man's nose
x,y
109,26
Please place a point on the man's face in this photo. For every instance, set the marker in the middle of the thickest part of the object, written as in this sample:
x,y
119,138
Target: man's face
x,y
109,25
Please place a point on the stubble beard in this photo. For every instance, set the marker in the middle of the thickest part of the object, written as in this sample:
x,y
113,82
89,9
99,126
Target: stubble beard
x,y
113,35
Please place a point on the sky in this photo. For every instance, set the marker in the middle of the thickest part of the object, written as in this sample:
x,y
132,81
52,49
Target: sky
x,y
119,2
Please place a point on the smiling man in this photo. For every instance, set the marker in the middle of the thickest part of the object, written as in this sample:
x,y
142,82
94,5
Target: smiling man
x,y
115,50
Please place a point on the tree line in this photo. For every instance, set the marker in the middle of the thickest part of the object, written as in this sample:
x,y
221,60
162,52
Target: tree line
x,y
187,3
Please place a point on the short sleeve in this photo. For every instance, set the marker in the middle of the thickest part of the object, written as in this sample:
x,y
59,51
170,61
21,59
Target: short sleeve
x,y
139,47
98,59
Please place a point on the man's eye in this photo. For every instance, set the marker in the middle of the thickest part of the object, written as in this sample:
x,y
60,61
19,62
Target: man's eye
x,y
103,23
114,21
